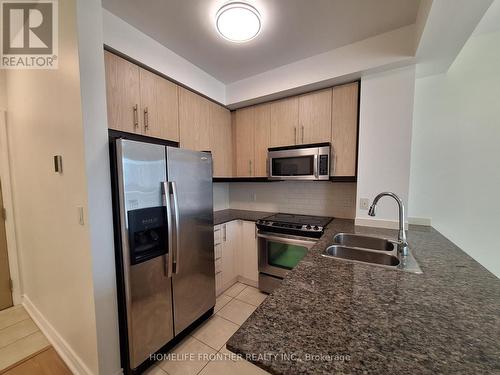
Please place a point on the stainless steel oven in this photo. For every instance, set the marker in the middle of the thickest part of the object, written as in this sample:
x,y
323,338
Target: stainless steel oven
x,y
304,162
283,240
278,254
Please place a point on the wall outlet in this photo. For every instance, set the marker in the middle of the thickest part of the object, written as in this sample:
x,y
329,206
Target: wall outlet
x,y
364,203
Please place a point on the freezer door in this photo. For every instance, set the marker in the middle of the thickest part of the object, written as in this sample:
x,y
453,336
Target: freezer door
x,y
190,178
144,232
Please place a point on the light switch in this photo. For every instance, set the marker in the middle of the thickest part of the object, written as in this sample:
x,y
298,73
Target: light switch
x,y
58,164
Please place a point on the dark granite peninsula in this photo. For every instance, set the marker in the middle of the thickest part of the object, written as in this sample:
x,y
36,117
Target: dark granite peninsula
x,y
225,216
335,317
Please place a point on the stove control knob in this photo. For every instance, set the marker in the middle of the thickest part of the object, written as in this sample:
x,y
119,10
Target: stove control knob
x,y
316,227
308,227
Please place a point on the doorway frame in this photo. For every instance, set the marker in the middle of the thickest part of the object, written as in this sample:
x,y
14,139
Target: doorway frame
x,y
10,229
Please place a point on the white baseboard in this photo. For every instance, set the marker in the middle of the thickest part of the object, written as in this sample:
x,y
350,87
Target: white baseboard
x,y
420,221
72,360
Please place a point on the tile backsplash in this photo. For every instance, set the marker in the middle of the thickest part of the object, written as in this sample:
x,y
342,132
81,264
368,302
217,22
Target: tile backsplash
x,y
302,197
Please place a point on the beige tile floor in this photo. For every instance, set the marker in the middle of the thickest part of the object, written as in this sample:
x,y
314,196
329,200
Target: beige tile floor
x,y
19,336
204,351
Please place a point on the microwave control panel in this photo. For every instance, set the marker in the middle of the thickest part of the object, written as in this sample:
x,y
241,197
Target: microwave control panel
x,y
323,165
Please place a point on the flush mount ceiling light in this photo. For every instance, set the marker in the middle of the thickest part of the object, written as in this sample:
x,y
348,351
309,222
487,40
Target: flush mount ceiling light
x,y
238,22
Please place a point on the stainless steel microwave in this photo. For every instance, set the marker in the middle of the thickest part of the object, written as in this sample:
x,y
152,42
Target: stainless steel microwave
x,y
304,162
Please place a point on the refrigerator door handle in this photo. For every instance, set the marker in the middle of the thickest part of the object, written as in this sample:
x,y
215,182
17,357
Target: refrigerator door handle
x,y
177,224
169,257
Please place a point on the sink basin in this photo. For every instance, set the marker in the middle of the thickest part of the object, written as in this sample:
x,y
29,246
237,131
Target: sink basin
x,y
366,242
375,251
365,256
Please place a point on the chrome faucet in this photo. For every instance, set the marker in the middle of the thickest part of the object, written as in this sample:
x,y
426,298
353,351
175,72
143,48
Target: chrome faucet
x,y
403,243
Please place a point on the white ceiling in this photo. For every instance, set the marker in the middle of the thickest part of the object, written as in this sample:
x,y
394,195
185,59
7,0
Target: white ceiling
x,y
292,29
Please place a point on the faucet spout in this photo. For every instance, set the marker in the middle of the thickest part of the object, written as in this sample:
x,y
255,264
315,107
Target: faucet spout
x,y
403,243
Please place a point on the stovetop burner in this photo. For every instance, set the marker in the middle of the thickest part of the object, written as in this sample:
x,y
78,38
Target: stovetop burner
x,y
301,225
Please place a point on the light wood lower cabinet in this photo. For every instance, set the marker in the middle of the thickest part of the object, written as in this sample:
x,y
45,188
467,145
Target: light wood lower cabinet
x,y
235,249
247,254
344,129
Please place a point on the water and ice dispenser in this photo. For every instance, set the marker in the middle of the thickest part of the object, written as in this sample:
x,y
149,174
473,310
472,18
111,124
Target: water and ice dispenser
x,y
147,233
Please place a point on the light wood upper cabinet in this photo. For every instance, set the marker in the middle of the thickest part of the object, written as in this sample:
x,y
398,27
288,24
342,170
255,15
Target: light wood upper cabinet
x,y
167,110
284,122
252,127
262,138
244,128
315,117
344,129
194,114
140,101
221,141
123,94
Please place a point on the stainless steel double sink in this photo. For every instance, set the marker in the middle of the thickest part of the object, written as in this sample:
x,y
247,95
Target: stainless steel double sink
x,y
372,250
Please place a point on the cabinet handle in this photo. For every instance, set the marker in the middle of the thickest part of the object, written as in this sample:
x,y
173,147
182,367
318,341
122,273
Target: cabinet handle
x,y
136,117
295,134
267,167
225,233
249,167
146,119
302,133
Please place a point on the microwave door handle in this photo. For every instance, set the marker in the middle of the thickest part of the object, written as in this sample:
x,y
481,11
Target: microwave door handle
x,y
177,223
169,258
315,168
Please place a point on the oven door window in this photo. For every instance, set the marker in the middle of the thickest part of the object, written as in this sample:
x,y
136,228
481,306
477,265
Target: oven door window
x,y
293,166
284,255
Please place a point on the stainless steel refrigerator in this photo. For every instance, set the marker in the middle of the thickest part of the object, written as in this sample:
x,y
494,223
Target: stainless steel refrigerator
x,y
166,257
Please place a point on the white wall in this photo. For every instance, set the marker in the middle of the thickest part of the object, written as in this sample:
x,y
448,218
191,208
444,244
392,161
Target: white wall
x,y
386,112
455,170
302,197
100,219
396,47
221,196
123,37
44,118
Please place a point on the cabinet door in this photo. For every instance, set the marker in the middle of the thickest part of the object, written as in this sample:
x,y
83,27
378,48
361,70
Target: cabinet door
x,y
244,141
231,240
315,117
262,138
167,108
122,94
221,141
194,112
344,129
149,107
248,257
284,122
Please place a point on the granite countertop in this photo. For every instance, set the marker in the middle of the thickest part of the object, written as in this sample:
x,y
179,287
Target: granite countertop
x,y
362,319
225,216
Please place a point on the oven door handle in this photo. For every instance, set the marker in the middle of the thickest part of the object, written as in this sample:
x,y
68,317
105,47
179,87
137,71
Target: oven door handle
x,y
286,239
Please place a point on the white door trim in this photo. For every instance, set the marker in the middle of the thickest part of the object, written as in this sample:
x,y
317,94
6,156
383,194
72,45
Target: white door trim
x,y
5,176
